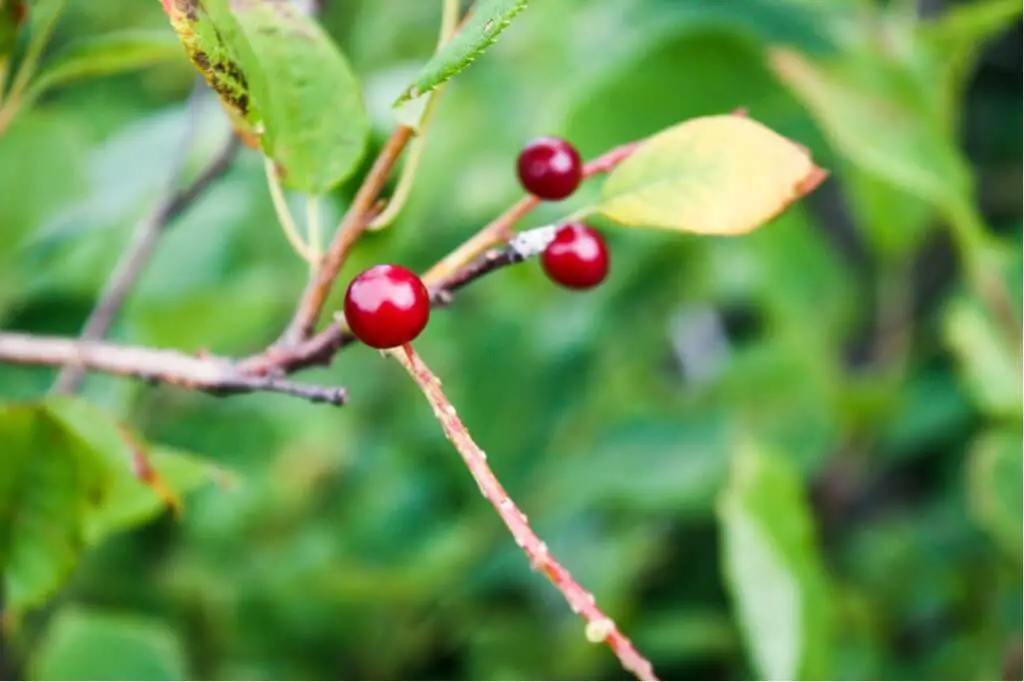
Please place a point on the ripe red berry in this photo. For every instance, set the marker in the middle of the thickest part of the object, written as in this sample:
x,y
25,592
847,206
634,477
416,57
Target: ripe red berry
x,y
577,258
550,168
387,306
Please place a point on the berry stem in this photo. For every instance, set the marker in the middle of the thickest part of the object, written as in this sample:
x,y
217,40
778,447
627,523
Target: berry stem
x,y
284,215
600,628
314,230
501,228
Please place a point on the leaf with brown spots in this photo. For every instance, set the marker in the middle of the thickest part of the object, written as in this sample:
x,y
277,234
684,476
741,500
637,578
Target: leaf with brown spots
x,y
286,86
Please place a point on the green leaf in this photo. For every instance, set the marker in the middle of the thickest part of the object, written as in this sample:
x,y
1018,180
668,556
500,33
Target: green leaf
x,y
49,482
878,132
995,470
489,18
966,26
285,84
721,175
771,564
108,54
85,644
144,480
70,476
674,467
988,366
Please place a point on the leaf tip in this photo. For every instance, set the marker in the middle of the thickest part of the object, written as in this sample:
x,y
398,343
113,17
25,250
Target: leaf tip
x,y
811,181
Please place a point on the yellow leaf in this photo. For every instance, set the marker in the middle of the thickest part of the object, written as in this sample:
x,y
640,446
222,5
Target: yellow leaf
x,y
718,175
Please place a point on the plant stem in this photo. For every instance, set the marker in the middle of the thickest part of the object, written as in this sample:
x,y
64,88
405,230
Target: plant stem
x,y
351,228
600,628
284,215
144,239
501,228
216,375
314,230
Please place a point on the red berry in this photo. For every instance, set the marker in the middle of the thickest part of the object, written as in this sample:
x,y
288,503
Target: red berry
x,y
577,258
550,168
387,306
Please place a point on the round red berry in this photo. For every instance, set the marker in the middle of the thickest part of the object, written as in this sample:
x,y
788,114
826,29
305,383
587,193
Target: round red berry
x,y
550,168
387,306
577,258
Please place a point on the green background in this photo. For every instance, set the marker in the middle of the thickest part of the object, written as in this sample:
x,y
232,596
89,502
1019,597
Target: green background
x,y
839,353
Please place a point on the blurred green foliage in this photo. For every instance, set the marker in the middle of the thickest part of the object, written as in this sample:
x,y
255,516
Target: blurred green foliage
x,y
796,453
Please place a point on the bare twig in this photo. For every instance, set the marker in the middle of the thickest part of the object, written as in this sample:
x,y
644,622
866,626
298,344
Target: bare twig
x,y
144,239
600,628
470,261
351,228
501,228
211,374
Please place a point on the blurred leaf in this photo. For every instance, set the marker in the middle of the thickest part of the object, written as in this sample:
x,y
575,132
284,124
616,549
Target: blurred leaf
x,y
963,27
685,635
284,82
773,570
71,475
931,410
995,471
792,22
894,221
85,644
989,367
43,13
675,467
489,18
12,15
49,482
143,480
104,55
724,72
878,132
721,175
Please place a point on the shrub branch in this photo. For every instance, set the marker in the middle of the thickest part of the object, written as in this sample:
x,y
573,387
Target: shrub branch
x,y
600,628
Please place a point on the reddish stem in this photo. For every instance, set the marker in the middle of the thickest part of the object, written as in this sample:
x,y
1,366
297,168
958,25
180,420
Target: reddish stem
x,y
600,628
501,228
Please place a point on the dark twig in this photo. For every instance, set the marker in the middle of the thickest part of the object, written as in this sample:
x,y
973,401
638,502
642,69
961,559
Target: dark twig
x,y
139,251
211,374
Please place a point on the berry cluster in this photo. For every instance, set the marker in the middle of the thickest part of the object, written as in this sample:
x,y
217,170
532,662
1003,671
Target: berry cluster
x,y
388,306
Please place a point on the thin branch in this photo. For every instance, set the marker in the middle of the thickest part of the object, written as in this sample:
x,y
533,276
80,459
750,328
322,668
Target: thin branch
x,y
140,249
501,228
320,349
351,228
284,214
211,374
366,207
600,628
470,261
